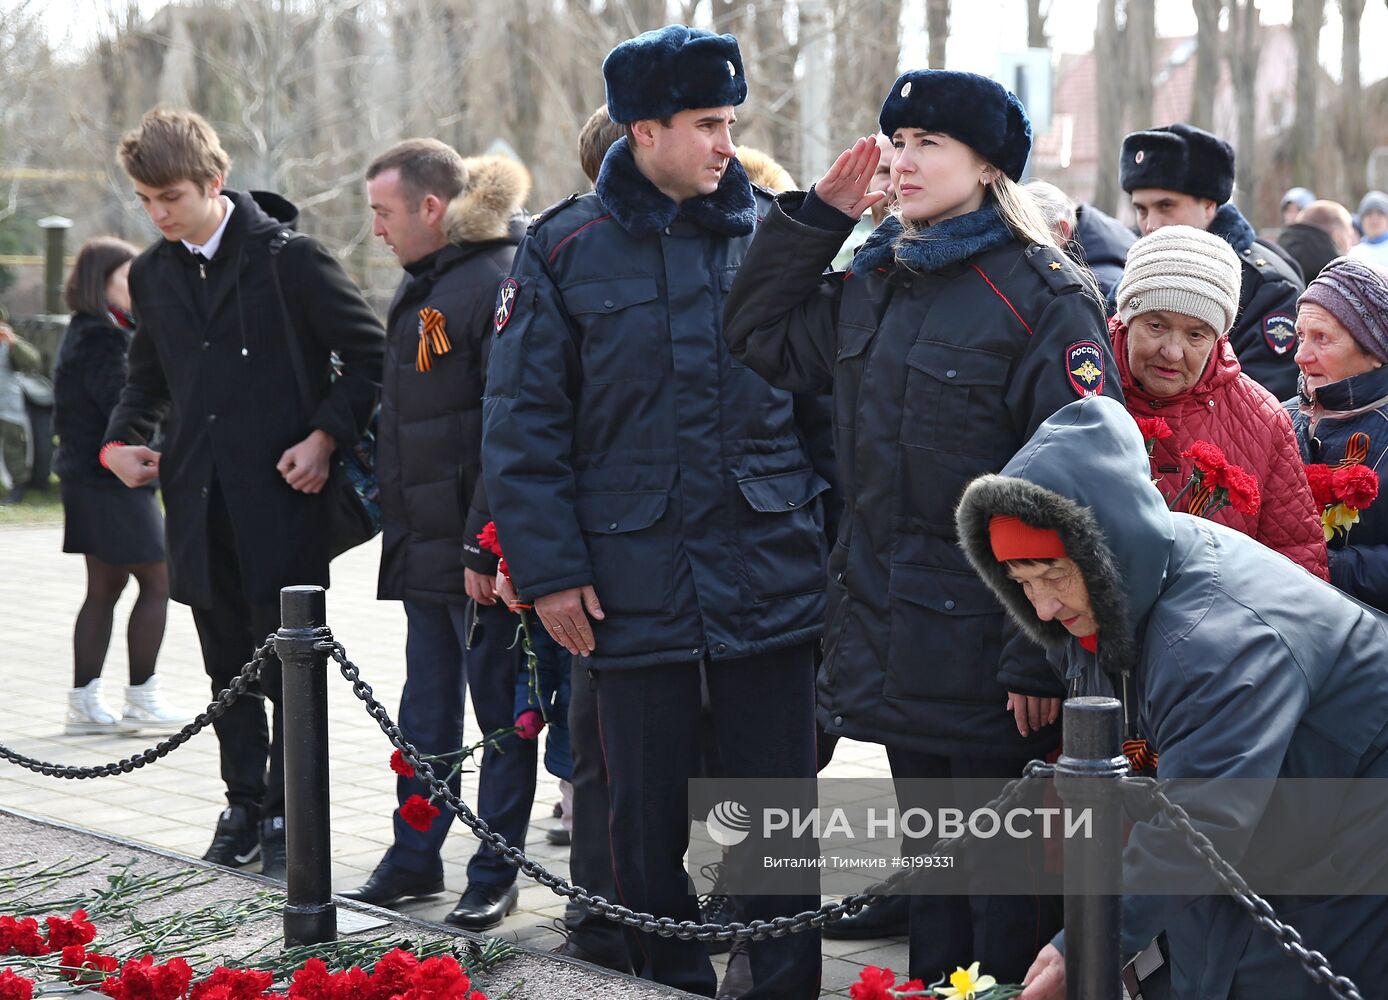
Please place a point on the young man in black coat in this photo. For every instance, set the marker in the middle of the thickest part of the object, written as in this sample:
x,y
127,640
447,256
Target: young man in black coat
x,y
453,224
245,456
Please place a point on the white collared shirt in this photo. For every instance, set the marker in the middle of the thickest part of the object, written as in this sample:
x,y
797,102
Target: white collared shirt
x,y
209,248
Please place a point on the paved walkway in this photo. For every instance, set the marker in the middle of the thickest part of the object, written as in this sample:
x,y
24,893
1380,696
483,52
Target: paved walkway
x,y
174,803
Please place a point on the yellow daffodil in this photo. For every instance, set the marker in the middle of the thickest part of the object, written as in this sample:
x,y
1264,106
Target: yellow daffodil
x,y
1338,517
966,984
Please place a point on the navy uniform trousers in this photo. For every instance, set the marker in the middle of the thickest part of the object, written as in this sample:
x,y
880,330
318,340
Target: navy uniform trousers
x,y
450,649
651,725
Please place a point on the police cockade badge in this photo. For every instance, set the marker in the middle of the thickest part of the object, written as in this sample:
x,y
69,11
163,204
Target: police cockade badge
x,y
1279,330
1084,365
506,302
732,70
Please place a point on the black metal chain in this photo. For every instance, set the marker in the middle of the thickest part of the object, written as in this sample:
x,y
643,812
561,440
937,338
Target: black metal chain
x,y
1313,962
214,711
685,930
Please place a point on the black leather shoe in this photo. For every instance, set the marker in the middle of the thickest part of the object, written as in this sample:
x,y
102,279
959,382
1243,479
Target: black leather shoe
x,y
889,918
273,861
483,907
236,842
388,885
571,949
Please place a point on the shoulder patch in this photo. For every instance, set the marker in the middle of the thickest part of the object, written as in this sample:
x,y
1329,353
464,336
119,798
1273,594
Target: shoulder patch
x,y
1084,366
551,212
1279,330
506,297
1057,269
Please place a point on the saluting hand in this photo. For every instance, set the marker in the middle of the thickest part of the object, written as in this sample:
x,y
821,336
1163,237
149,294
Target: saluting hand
x,y
845,184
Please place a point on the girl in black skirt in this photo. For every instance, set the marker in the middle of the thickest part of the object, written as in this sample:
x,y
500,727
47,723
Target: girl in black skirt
x,y
120,531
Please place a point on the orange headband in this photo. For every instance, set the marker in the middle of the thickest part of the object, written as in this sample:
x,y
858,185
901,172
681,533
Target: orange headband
x,y
1013,538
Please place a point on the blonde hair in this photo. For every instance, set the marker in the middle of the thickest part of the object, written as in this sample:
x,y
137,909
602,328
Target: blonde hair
x,y
763,170
170,146
1019,212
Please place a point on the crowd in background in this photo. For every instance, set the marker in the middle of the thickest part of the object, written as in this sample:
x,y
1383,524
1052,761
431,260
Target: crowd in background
x,y
720,428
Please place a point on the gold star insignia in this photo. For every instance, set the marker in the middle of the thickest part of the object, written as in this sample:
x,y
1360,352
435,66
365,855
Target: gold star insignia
x,y
1088,372
1054,265
1260,262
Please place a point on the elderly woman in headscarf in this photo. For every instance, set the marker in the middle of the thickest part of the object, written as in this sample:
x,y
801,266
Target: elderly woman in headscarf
x,y
1176,304
1341,411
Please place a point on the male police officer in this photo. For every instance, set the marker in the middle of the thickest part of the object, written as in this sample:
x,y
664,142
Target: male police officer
x,y
655,499
1182,175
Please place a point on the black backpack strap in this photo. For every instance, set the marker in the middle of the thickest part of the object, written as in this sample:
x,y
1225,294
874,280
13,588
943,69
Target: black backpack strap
x,y
277,244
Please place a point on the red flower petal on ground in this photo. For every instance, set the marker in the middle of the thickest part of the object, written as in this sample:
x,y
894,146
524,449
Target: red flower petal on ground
x,y
419,812
438,978
1208,458
1356,485
63,931
488,540
477,995
1321,479
1154,428
874,983
232,984
400,765
391,975
21,937
311,982
14,986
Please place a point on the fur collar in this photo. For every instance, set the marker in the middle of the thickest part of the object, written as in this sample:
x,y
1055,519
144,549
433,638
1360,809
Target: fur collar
x,y
1230,226
991,495
642,209
497,188
932,249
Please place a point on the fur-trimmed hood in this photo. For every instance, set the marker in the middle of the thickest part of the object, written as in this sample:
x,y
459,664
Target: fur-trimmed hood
x,y
1084,474
496,191
642,209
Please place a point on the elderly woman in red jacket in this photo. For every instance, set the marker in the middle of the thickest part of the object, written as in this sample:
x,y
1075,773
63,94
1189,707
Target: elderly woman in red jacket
x,y
1176,303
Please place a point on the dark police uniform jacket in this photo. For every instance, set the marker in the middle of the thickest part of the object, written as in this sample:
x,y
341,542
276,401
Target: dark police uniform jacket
x,y
1264,333
212,353
623,445
940,373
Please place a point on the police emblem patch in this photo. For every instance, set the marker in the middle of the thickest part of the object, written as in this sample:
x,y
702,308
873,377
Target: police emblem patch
x,y
1279,330
506,297
1084,366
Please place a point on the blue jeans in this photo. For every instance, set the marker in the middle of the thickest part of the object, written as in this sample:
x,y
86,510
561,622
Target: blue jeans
x,y
439,667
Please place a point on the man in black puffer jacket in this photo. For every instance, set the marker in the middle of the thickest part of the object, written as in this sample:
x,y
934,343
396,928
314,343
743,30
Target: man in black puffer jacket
x,y
454,225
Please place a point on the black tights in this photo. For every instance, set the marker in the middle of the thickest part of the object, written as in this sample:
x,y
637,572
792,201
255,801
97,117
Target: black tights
x,y
144,634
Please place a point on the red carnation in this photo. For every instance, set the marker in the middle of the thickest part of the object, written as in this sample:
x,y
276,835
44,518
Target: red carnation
x,y
141,979
438,978
873,983
489,541
391,975
1208,458
1242,487
15,987
233,984
21,937
1356,485
400,765
1322,481
419,812
63,931
1154,428
77,962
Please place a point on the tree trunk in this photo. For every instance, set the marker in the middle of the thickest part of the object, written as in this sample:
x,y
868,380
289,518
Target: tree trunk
x,y
1307,18
1140,43
865,60
937,28
1108,57
1243,69
1354,146
1036,25
1206,63
814,90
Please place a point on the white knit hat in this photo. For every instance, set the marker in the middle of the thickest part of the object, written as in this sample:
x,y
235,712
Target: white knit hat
x,y
1182,270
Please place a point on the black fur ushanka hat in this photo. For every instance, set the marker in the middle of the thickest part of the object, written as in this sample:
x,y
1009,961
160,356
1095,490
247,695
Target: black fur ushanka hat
x,y
1180,158
979,112
672,69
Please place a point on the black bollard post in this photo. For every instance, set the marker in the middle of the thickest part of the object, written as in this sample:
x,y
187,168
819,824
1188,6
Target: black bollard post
x,y
310,915
1087,775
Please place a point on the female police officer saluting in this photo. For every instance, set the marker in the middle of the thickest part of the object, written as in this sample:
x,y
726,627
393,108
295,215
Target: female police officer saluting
x,y
959,329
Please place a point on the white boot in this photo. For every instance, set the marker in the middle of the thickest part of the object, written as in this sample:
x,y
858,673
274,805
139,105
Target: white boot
x,y
88,713
146,709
